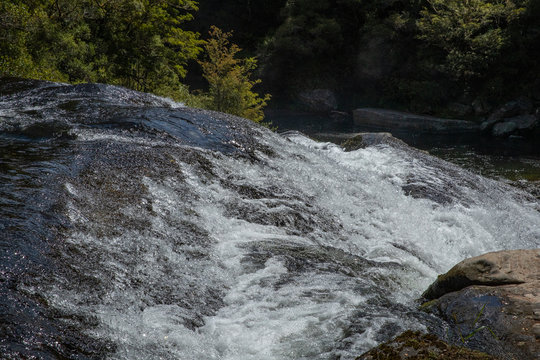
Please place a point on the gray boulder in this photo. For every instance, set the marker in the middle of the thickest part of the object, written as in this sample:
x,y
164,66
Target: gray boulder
x,y
504,129
525,122
511,109
492,303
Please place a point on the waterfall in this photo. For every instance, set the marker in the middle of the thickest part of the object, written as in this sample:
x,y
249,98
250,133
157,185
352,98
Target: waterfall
x,y
135,228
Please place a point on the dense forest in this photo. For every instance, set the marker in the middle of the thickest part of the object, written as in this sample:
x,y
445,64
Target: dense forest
x,y
420,55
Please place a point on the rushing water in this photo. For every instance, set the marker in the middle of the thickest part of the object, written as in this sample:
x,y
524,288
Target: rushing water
x,y
134,228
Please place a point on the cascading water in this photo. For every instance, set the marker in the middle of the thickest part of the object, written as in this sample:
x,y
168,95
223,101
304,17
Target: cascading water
x,y
134,228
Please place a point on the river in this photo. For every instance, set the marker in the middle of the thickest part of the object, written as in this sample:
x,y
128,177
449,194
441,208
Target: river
x,y
132,227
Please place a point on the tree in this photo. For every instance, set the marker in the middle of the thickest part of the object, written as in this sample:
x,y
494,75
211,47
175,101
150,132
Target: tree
x,y
145,42
470,34
140,44
229,78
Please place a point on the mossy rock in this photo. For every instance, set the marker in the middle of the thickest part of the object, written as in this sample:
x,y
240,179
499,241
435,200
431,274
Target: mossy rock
x,y
363,140
415,345
354,143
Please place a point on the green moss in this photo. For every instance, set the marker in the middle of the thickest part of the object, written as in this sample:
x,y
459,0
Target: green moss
x,y
354,143
417,346
428,306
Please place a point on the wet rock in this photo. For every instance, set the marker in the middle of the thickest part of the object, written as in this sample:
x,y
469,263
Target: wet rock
x,y
520,106
511,109
318,100
389,119
492,269
487,125
504,129
418,346
525,122
521,125
363,140
492,303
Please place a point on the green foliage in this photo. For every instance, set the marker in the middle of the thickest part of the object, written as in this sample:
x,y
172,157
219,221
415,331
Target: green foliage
x,y
306,43
229,78
469,34
415,54
145,41
135,43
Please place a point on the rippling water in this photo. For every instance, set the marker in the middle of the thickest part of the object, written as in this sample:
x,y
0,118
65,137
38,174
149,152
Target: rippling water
x,y
134,228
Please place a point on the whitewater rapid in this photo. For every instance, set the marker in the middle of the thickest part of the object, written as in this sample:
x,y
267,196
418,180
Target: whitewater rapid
x,y
192,235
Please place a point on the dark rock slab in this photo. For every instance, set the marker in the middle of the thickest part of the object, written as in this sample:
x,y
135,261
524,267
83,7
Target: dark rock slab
x,y
512,109
525,122
389,119
521,124
504,129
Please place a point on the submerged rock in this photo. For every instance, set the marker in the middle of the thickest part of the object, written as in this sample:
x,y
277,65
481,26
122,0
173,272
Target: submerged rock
x,y
363,140
418,346
492,303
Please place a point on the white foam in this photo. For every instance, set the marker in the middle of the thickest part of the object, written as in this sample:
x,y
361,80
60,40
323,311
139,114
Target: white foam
x,y
272,310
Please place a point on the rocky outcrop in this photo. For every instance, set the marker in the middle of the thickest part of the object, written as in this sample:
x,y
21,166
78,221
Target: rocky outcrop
x,y
418,346
492,303
318,100
363,140
504,129
389,119
516,117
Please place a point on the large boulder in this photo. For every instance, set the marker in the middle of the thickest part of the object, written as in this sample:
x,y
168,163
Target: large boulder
x,y
366,139
318,100
512,109
504,129
521,124
525,122
418,346
390,119
492,303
